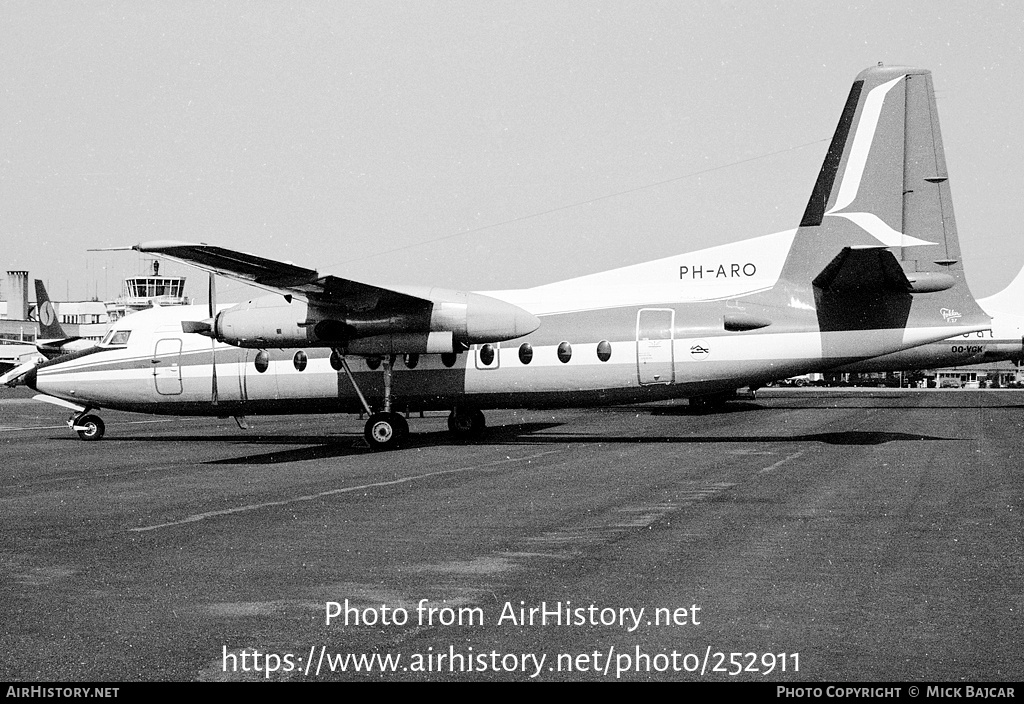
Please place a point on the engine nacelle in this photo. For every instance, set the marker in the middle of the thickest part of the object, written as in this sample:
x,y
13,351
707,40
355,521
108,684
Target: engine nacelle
x,y
268,321
474,318
430,321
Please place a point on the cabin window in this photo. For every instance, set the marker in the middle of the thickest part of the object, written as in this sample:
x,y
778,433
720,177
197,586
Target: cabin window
x,y
300,360
262,361
604,350
336,364
525,353
117,338
564,352
373,362
487,355
411,360
448,359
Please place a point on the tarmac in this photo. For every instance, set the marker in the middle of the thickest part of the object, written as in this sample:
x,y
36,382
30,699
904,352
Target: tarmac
x,y
807,535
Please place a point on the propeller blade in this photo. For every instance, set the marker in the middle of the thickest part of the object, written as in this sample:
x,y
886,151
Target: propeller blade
x,y
213,338
213,295
199,327
213,360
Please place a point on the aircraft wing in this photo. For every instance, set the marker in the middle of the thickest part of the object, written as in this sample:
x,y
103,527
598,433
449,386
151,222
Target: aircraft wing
x,y
337,312
278,276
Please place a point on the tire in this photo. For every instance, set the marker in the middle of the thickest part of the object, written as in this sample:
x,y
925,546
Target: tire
x,y
385,431
94,428
401,425
464,423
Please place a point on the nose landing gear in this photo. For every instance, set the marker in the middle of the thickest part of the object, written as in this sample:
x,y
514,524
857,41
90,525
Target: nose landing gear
x,y
88,426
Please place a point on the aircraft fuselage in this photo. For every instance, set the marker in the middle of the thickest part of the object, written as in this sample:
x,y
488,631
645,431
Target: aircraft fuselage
x,y
618,355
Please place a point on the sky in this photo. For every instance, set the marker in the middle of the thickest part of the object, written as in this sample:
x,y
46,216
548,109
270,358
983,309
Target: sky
x,y
470,145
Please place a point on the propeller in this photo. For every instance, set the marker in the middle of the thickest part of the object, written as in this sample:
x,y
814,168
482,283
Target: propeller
x,y
213,336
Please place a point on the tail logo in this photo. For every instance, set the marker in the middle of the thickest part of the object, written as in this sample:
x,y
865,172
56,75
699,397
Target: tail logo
x,y
951,315
855,163
47,315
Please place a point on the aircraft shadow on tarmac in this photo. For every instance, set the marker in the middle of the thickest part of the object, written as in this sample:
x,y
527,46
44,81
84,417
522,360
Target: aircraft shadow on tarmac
x,y
775,404
699,410
326,447
852,437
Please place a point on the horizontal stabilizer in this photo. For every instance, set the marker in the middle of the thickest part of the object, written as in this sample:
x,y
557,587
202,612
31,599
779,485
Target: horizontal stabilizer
x,y
55,348
863,268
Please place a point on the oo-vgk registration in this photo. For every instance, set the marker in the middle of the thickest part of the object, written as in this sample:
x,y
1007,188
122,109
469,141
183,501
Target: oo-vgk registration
x,y
873,268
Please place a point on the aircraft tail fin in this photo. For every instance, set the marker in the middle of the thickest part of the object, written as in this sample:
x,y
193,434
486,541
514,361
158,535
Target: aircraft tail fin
x,y
884,181
1010,299
882,186
52,338
49,325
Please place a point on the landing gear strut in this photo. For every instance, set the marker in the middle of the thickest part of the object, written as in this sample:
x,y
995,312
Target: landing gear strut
x,y
88,426
385,430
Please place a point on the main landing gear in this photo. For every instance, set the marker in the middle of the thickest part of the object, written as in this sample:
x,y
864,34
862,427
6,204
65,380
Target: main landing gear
x,y
385,430
88,426
466,423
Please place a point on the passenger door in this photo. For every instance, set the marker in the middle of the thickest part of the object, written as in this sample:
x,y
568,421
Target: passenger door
x,y
167,367
654,355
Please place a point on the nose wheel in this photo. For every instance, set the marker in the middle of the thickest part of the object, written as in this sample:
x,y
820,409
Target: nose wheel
x,y
88,426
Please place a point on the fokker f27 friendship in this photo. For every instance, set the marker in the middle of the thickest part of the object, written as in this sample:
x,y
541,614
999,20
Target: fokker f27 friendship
x,y
873,269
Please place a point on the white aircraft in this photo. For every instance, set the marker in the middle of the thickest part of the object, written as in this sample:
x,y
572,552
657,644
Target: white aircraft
x,y
831,292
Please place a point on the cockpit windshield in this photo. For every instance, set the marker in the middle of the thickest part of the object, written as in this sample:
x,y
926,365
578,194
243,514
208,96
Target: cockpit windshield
x,y
116,338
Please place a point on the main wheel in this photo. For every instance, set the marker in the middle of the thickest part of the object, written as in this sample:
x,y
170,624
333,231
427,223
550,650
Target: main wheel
x,y
92,427
466,423
384,431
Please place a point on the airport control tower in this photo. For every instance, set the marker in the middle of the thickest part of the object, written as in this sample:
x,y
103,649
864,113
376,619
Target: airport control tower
x,y
141,292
